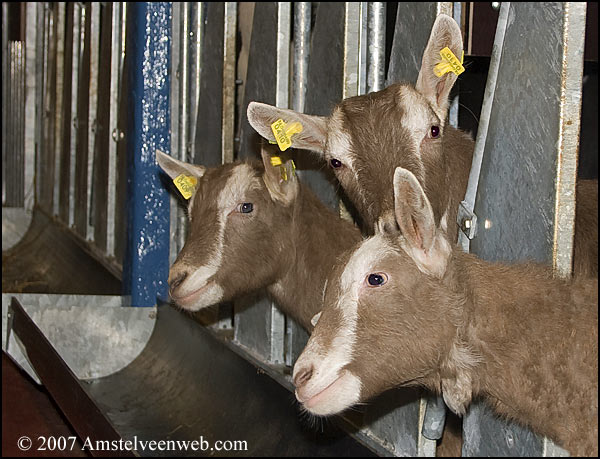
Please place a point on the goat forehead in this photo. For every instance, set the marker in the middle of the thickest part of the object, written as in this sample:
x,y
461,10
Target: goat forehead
x,y
339,139
242,179
363,261
417,114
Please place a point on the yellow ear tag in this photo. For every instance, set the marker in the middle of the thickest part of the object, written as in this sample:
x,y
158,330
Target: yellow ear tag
x,y
283,133
276,161
449,63
185,184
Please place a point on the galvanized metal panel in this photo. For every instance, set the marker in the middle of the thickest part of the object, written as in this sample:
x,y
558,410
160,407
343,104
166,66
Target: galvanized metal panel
x,y
517,191
376,46
258,326
80,212
5,76
486,435
208,138
295,336
410,40
229,69
324,89
93,110
116,134
94,334
102,134
59,99
32,98
14,112
146,266
176,211
46,160
528,171
65,146
41,45
76,68
118,232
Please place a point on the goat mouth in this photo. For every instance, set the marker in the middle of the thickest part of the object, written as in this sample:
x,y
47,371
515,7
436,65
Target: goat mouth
x,y
319,396
190,297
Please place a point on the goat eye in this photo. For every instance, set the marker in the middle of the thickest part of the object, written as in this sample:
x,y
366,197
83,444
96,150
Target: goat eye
x,y
435,132
246,207
335,163
377,279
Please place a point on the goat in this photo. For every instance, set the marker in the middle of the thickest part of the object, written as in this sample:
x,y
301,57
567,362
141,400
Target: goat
x,y
367,137
405,307
251,229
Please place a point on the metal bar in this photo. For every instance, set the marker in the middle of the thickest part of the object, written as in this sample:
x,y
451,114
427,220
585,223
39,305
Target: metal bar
x,y
14,166
118,232
282,97
351,49
296,336
175,211
58,140
195,54
46,198
40,73
114,132
93,109
77,20
352,27
376,46
229,54
453,113
484,122
65,145
574,18
181,109
363,42
81,197
5,77
146,266
302,13
32,54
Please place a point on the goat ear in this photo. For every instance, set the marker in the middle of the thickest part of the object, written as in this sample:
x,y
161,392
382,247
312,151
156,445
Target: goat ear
x,y
281,180
428,248
314,128
174,168
445,33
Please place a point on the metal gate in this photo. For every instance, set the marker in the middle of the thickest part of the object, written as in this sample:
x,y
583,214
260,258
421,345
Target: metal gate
x,y
103,85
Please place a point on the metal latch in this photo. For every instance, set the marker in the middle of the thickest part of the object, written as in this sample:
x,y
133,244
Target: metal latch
x,y
466,220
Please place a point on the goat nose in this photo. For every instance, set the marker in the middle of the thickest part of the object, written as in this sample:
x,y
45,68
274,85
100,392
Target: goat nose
x,y
303,376
176,282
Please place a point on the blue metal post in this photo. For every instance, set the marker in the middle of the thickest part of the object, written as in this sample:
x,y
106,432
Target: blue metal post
x,y
148,54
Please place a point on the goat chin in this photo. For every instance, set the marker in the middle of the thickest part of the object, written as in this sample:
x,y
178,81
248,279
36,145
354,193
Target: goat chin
x,y
340,395
211,293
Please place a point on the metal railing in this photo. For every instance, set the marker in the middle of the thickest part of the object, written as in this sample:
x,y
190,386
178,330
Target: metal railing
x,y
70,88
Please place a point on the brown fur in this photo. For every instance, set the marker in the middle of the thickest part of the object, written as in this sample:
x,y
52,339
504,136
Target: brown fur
x,y
585,251
525,342
532,342
287,248
379,143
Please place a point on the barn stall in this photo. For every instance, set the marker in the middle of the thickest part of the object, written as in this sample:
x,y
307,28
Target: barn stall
x,y
91,90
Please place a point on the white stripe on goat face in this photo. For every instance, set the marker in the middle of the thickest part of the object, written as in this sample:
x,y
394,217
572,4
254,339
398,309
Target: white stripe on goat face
x,y
328,363
241,180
